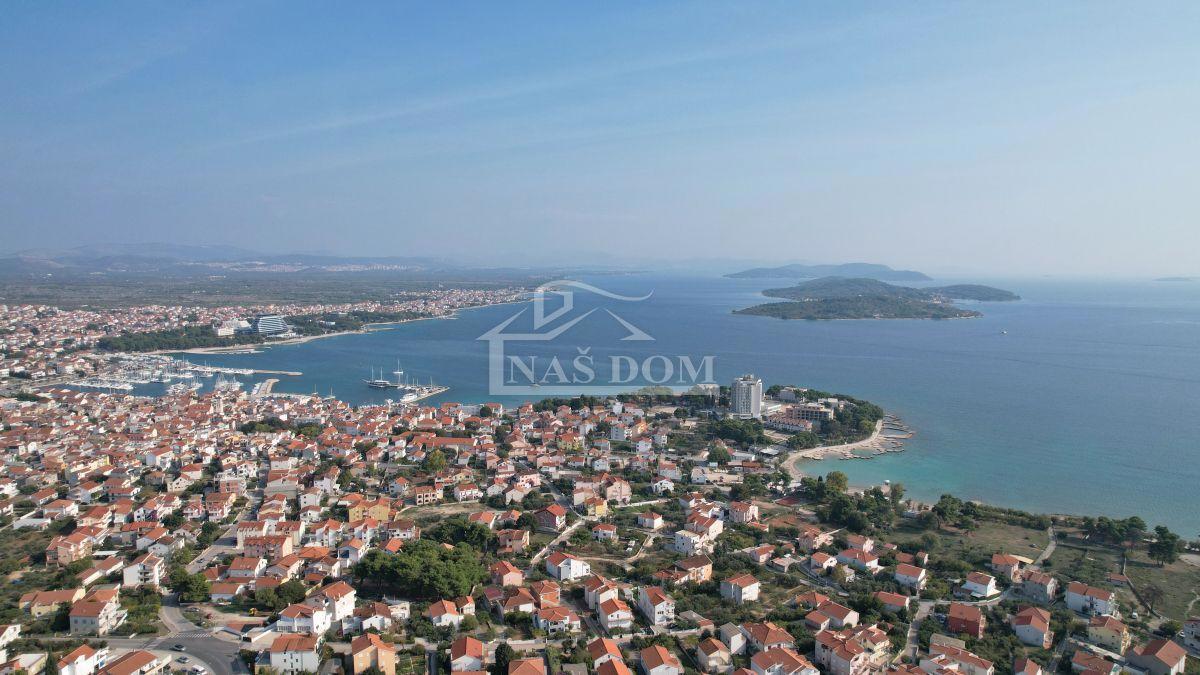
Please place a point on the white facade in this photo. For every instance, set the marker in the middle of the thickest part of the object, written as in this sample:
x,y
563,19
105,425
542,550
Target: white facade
x,y
745,397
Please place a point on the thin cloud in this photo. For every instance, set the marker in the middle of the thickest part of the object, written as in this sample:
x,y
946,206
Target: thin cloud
x,y
514,90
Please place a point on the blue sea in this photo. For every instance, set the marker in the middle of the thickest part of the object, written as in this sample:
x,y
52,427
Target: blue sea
x,y
1081,398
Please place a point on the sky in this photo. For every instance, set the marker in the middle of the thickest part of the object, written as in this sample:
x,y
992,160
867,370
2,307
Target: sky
x,y
1028,138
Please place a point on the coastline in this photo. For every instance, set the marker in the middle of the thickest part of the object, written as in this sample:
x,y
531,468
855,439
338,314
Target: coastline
x,y
791,463
367,328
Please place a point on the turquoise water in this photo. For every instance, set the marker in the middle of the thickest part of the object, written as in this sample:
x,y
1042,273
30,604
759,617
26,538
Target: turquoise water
x,y
1087,405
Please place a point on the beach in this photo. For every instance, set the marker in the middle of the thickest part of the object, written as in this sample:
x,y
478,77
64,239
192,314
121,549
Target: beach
x,y
878,441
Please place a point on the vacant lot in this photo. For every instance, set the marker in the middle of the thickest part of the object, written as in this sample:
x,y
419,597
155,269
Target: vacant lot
x,y
434,513
980,544
1178,582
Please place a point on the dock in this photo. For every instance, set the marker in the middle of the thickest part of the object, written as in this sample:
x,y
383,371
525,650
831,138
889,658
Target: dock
x,y
421,393
263,388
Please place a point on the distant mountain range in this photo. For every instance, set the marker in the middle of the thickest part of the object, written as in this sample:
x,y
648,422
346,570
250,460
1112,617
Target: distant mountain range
x,y
126,262
860,298
856,270
179,258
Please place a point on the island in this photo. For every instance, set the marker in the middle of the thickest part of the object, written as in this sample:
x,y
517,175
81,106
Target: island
x,y
861,270
830,298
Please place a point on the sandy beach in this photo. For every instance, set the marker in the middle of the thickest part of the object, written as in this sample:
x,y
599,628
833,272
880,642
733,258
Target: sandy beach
x,y
877,442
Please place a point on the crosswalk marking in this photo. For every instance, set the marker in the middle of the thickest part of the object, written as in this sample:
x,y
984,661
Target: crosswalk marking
x,y
182,634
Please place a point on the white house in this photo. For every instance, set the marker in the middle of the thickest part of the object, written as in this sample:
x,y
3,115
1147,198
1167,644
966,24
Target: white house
x,y
83,660
145,570
300,618
741,589
656,606
781,661
295,654
1090,600
337,598
566,567
656,660
980,585
466,654
444,613
910,576
615,616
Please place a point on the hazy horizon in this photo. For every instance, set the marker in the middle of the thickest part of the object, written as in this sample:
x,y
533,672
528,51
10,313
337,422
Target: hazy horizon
x,y
992,140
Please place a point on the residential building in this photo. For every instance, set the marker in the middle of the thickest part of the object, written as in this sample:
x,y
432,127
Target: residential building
x,y
369,651
1086,599
1108,632
656,606
1159,657
741,589
745,397
292,653
967,619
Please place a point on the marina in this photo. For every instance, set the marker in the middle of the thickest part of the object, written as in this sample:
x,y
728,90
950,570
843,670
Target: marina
x,y
413,391
127,371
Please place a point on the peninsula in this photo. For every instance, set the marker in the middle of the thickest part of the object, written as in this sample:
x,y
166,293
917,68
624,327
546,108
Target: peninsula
x,y
861,298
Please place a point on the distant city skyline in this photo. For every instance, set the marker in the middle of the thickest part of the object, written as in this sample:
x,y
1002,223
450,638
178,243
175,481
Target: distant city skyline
x,y
983,139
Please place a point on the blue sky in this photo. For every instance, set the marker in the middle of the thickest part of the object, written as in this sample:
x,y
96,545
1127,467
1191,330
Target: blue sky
x,y
982,137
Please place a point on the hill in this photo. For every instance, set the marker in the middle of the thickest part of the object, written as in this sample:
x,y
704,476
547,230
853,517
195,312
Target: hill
x,y
859,308
842,298
973,292
860,270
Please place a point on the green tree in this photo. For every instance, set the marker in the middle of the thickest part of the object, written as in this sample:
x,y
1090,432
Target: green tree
x,y
719,455
435,461
751,487
424,569
836,482
459,530
1134,528
1166,546
803,440
290,592
190,587
504,656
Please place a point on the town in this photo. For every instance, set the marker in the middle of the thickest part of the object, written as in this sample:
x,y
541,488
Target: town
x,y
223,532
43,344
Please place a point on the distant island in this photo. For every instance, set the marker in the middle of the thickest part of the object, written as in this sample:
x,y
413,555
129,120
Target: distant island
x,y
830,298
856,270
1176,279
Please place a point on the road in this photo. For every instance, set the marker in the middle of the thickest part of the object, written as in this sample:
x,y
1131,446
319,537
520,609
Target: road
x,y
220,652
1049,550
533,563
913,645
227,542
220,657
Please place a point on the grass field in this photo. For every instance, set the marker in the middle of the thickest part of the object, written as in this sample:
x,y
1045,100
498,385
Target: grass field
x,y
1179,581
979,545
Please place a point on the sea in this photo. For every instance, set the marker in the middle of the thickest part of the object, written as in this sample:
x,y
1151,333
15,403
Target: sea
x,y
1083,397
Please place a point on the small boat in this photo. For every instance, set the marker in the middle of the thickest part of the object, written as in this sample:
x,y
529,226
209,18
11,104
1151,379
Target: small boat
x,y
1004,332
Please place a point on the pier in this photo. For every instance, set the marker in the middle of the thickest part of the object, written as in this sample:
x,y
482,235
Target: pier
x,y
263,388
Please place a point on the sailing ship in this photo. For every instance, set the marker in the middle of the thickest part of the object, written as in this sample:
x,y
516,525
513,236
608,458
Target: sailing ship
x,y
383,383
